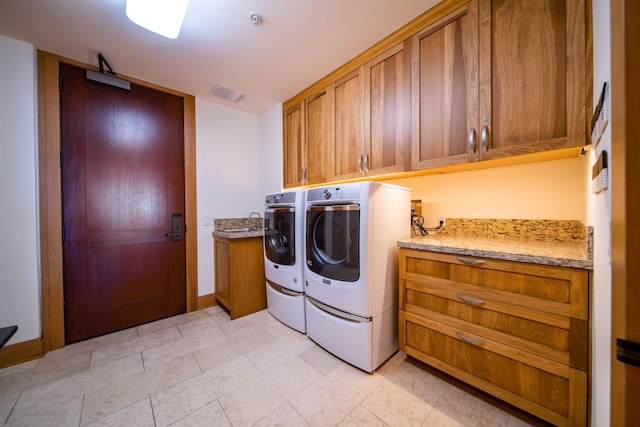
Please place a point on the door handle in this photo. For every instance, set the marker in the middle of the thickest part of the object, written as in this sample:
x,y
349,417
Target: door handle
x,y
176,227
628,352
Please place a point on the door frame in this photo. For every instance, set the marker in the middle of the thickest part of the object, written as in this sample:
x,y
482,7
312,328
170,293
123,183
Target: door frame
x,y
50,195
625,206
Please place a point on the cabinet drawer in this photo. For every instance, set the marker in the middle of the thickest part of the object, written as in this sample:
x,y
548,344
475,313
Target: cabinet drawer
x,y
554,290
559,338
535,384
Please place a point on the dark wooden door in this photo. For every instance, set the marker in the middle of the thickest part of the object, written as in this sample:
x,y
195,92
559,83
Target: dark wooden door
x,y
122,182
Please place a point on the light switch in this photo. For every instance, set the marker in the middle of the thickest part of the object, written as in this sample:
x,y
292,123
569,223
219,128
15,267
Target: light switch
x,y
208,220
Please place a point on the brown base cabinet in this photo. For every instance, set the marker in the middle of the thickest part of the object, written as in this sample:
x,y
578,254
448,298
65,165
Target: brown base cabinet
x,y
518,331
239,275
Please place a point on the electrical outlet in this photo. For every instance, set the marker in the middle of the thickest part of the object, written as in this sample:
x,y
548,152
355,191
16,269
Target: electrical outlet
x,y
442,220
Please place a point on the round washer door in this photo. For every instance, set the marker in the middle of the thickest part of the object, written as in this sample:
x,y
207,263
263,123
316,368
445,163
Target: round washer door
x,y
280,235
333,241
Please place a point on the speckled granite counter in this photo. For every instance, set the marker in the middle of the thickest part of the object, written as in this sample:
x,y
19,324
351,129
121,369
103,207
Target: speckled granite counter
x,y
548,242
238,228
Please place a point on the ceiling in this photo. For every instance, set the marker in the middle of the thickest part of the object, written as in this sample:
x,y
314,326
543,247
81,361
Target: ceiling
x,y
297,43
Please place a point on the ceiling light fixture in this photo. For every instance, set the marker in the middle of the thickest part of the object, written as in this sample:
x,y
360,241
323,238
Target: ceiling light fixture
x,y
163,17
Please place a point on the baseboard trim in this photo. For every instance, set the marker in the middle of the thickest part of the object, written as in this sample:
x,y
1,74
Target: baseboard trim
x,y
21,352
206,301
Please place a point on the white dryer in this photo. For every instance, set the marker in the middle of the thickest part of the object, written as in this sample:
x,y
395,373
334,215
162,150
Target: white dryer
x,y
284,257
351,269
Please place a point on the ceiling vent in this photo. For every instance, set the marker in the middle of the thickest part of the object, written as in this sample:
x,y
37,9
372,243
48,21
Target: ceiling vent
x,y
227,93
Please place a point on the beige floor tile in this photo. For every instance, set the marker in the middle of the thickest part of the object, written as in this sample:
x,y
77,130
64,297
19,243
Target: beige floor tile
x,y
513,421
64,414
55,365
182,399
258,398
203,324
361,416
137,415
101,341
182,346
320,359
407,395
278,352
284,416
108,400
168,322
124,348
331,399
211,415
16,369
56,392
244,325
458,408
118,350
224,351
6,405
274,326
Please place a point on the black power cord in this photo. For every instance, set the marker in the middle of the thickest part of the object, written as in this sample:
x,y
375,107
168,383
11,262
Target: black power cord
x,y
417,222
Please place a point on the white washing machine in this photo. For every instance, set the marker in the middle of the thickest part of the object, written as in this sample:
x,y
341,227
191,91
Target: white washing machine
x,y
351,269
284,257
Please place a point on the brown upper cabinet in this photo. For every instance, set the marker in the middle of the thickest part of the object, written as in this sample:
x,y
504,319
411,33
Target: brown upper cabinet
x,y
498,78
467,84
371,115
307,130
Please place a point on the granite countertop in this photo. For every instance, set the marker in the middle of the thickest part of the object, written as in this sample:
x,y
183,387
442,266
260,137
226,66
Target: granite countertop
x,y
238,228
548,242
238,234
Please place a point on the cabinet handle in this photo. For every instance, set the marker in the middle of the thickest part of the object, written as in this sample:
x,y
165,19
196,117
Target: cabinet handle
x,y
301,175
472,141
226,249
366,162
360,163
484,137
470,300
305,175
469,339
470,261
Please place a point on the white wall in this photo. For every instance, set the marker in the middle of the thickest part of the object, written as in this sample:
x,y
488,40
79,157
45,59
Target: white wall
x,y
599,215
271,150
545,190
228,176
19,246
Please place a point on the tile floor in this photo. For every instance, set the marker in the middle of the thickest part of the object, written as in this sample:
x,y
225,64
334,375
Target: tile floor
x,y
202,369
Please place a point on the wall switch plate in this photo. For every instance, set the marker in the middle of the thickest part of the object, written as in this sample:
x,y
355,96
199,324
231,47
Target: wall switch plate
x,y
600,117
208,220
600,174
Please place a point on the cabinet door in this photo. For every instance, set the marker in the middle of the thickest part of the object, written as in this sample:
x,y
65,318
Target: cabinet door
x,y
293,139
387,106
444,90
318,136
348,118
221,256
532,75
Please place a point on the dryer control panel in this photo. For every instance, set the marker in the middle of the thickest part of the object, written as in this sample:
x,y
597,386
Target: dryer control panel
x,y
338,193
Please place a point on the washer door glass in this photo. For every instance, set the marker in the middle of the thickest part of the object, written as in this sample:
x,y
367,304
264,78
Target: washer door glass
x,y
333,241
280,235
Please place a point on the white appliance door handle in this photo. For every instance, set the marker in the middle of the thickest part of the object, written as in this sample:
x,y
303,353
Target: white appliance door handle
x,y
338,313
282,290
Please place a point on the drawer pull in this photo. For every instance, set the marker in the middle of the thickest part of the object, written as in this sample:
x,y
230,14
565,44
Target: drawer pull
x,y
470,261
471,300
469,340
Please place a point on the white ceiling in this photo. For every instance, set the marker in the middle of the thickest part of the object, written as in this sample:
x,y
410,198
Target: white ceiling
x,y
297,43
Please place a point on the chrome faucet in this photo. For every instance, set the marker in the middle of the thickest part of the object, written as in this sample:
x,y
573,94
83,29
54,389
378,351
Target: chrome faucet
x,y
254,213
